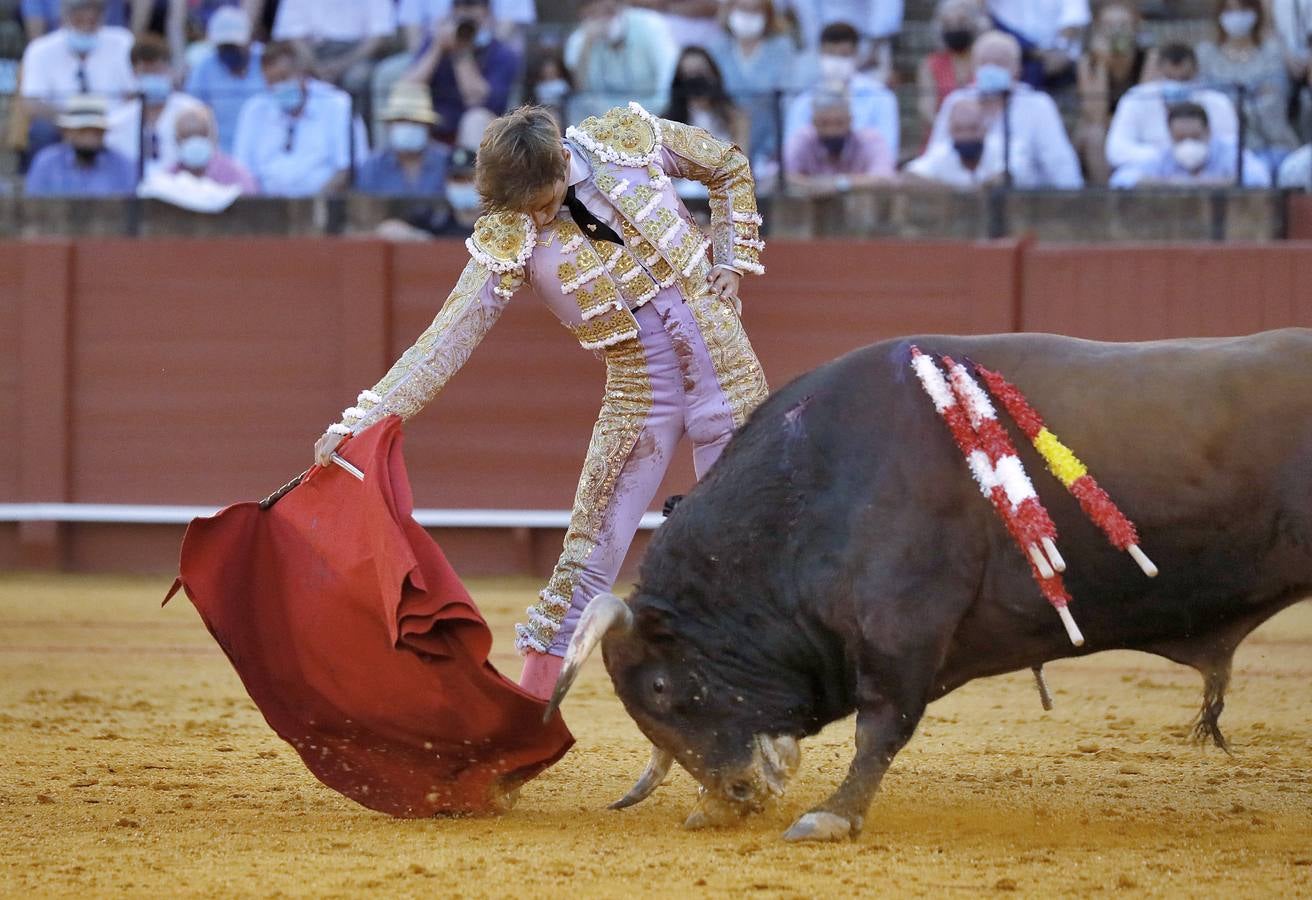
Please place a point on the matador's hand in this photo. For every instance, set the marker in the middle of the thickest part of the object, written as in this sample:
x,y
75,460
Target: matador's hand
x,y
324,447
724,282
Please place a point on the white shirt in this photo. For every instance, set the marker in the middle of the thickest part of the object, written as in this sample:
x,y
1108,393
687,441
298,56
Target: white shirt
x,y
1296,170
1138,131
334,20
872,104
1040,21
319,148
870,18
1293,25
1043,157
50,68
424,13
124,134
941,163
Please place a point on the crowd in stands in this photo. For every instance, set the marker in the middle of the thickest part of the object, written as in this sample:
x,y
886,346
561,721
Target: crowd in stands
x,y
310,97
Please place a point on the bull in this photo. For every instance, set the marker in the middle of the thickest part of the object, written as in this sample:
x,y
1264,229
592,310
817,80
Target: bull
x,y
839,558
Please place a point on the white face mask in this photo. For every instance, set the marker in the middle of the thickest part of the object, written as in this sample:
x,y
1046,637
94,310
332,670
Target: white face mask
x,y
462,195
746,26
552,91
195,152
837,68
1238,22
1190,154
407,137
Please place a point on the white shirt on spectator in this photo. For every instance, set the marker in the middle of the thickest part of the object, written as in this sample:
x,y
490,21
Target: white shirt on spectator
x,y
1045,157
872,104
297,157
871,18
334,20
1138,131
50,68
1219,168
124,134
1040,21
1293,25
424,13
1296,171
941,163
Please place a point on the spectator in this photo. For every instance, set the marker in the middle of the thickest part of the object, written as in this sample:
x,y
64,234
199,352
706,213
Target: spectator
x,y
971,158
873,105
231,74
1114,63
1194,158
463,202
80,165
199,153
940,73
1049,33
340,38
548,83
1138,131
758,61
1292,20
1016,112
43,16
413,163
148,122
295,137
617,54
697,97
876,22
85,56
466,67
692,23
1249,59
831,156
1296,170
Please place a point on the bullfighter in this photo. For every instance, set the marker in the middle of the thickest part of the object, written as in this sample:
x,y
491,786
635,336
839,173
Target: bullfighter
x,y
593,224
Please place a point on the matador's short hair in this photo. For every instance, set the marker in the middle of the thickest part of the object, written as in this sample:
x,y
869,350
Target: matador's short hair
x,y
518,157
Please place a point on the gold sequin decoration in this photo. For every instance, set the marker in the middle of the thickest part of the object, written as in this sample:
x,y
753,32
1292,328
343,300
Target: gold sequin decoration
x,y
503,236
622,130
607,329
736,367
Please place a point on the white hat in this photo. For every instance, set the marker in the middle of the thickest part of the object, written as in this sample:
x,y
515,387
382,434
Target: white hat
x,y
409,102
85,111
229,25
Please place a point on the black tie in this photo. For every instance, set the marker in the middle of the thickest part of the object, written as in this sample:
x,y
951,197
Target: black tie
x,y
591,225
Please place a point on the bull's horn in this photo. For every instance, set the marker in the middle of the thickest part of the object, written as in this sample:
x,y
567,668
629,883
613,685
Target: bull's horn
x,y
658,767
603,613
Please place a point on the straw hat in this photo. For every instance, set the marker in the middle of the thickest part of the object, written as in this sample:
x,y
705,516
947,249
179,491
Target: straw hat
x,y
409,102
85,111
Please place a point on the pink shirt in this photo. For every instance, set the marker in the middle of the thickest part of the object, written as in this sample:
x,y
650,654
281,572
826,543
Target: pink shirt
x,y
226,170
865,153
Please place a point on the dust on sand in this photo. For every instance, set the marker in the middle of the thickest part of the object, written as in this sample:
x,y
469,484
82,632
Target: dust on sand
x,y
134,763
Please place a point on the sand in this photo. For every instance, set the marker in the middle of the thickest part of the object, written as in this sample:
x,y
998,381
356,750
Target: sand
x,y
134,764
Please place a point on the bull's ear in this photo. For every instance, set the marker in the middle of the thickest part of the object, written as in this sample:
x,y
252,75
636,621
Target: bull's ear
x,y
654,622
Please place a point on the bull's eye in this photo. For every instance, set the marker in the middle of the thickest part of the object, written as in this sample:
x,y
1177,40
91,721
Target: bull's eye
x,y
658,685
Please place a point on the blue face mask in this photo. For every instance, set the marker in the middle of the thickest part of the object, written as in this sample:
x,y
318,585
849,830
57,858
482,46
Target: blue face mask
x,y
195,152
288,95
1175,91
155,87
83,43
991,79
462,195
407,137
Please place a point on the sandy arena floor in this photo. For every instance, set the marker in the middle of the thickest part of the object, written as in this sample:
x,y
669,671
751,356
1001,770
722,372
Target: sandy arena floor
x,y
134,763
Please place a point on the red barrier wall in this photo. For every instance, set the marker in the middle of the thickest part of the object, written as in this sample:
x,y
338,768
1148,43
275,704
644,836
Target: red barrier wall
x,y
200,372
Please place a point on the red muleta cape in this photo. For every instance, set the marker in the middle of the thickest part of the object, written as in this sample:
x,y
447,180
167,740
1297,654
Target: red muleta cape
x,y
359,644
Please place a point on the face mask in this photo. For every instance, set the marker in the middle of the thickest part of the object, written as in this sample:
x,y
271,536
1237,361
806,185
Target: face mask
x,y
232,57
1238,23
82,43
836,68
462,196
698,86
1190,154
970,152
551,92
288,95
155,87
746,26
615,29
1175,91
407,137
86,155
958,40
195,152
834,145
991,79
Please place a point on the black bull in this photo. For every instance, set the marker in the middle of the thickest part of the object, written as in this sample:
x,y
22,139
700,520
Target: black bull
x,y
840,558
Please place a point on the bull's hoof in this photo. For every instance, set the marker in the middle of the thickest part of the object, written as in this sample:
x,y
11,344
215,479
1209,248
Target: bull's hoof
x,y
696,821
820,826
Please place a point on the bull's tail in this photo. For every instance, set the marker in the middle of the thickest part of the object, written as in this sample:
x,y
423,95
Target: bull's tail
x,y
1207,724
